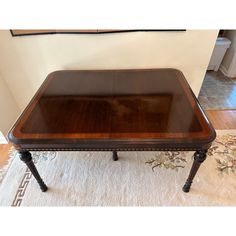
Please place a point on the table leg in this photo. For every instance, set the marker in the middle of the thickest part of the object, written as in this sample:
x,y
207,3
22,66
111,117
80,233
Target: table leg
x,y
114,156
27,159
199,157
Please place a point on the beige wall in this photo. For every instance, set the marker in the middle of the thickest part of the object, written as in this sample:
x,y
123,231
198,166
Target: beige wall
x,y
8,108
27,60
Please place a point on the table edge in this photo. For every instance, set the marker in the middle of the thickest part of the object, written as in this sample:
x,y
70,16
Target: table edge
x,y
46,141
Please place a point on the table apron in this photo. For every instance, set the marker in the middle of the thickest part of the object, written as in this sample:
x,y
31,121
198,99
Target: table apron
x,y
114,147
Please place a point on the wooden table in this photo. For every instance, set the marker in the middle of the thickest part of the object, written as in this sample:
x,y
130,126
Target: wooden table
x,y
113,110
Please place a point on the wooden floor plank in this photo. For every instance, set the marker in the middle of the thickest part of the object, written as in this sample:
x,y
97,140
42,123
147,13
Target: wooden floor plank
x,y
222,119
4,153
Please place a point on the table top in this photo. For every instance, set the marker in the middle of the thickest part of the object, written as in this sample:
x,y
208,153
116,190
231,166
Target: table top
x,y
82,106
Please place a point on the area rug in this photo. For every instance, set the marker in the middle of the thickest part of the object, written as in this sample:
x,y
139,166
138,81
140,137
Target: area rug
x,y
137,179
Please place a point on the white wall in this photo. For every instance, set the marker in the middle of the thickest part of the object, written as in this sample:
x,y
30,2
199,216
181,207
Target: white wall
x,y
8,108
27,60
228,65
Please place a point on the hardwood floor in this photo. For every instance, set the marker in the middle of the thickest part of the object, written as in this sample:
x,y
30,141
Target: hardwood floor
x,y
221,119
4,150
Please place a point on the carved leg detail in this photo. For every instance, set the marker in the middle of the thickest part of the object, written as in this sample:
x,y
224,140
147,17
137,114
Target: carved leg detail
x,y
199,157
27,159
114,156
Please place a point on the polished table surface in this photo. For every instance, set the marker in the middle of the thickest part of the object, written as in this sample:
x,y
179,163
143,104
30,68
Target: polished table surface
x,y
84,106
113,110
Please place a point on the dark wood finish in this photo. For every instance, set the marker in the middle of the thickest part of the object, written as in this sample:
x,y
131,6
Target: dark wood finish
x,y
114,156
113,110
27,159
199,157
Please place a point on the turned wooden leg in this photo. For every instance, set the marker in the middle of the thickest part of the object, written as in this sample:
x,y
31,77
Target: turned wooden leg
x,y
27,159
199,157
114,156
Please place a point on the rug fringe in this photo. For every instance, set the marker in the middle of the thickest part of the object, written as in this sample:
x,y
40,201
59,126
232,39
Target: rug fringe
x,y
3,170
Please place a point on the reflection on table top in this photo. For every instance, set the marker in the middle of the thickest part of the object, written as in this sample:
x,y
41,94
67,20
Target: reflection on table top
x,y
155,103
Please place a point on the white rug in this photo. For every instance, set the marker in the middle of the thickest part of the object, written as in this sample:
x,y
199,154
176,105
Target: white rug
x,y
137,179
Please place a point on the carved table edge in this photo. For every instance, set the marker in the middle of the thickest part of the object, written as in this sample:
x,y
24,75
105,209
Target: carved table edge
x,y
111,149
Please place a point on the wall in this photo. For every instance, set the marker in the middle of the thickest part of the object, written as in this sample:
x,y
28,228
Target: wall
x,y
27,60
8,108
228,65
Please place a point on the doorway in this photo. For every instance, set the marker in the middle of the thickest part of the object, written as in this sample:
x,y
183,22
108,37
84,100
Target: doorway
x,y
218,91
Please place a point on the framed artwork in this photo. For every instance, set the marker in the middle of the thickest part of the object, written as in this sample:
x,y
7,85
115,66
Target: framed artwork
x,y
24,32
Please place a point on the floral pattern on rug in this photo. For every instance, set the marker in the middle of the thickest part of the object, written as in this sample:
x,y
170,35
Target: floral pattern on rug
x,y
43,155
168,160
225,148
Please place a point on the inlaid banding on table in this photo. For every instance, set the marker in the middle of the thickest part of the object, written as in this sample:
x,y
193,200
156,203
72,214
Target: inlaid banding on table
x,y
113,110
